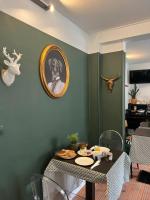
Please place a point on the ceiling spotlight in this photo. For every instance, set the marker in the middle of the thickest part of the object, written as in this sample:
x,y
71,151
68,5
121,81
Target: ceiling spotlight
x,y
52,8
42,4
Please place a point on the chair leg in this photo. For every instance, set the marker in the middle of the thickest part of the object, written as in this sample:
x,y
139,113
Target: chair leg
x,y
124,187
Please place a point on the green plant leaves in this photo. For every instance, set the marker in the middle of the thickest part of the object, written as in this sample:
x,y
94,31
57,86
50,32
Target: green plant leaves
x,y
133,92
73,138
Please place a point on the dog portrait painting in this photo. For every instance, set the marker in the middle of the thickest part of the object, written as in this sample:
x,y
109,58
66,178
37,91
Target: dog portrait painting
x,y
54,71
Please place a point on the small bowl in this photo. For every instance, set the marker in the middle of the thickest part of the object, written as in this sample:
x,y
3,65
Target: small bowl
x,y
83,146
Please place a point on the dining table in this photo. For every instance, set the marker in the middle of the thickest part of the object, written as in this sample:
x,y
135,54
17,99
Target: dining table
x,y
140,146
113,172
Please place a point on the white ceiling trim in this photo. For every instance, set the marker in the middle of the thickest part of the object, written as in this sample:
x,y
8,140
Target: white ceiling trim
x,y
53,24
145,65
132,30
112,47
63,29
112,37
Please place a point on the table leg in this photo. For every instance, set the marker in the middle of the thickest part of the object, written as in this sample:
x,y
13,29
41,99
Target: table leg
x,y
131,175
90,191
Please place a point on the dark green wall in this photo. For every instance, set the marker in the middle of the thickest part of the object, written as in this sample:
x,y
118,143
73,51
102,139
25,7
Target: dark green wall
x,y
106,109
94,96
34,124
112,104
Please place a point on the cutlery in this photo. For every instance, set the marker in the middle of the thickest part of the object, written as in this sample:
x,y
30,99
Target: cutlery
x,y
95,164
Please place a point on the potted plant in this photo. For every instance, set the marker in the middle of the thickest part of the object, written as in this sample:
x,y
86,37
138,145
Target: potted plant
x,y
73,139
133,92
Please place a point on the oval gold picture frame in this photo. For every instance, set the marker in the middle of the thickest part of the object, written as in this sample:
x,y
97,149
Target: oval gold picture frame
x,y
54,71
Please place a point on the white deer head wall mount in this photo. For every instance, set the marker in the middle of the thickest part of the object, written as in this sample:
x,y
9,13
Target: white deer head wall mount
x,y
8,75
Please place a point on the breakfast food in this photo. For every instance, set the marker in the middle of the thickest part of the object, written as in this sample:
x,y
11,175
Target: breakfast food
x,y
83,152
83,146
61,152
97,148
66,154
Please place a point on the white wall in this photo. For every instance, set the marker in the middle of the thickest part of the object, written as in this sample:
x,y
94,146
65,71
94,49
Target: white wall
x,y
60,27
53,24
144,92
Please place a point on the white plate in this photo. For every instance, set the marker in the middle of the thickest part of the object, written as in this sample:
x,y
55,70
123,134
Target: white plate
x,y
84,161
86,153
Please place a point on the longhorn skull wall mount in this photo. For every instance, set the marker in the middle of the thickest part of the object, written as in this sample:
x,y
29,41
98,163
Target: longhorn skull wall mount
x,y
110,82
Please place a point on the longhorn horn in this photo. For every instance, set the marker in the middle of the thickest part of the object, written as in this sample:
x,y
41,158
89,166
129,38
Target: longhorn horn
x,y
104,78
115,78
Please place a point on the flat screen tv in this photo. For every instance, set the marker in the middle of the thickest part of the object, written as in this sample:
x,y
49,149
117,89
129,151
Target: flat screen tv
x,y
139,76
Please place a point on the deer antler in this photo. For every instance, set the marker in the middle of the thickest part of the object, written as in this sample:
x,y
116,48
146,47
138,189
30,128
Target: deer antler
x,y
18,56
7,55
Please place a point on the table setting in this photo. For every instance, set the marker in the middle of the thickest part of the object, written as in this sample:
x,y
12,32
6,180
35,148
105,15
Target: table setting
x,y
85,156
94,165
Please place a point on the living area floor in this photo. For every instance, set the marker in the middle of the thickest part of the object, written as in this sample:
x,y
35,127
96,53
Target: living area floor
x,y
131,191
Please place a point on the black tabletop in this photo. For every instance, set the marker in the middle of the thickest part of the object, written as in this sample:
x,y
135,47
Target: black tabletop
x,y
104,166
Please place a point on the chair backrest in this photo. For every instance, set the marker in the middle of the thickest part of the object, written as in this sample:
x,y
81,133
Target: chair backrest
x,y
44,188
111,139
